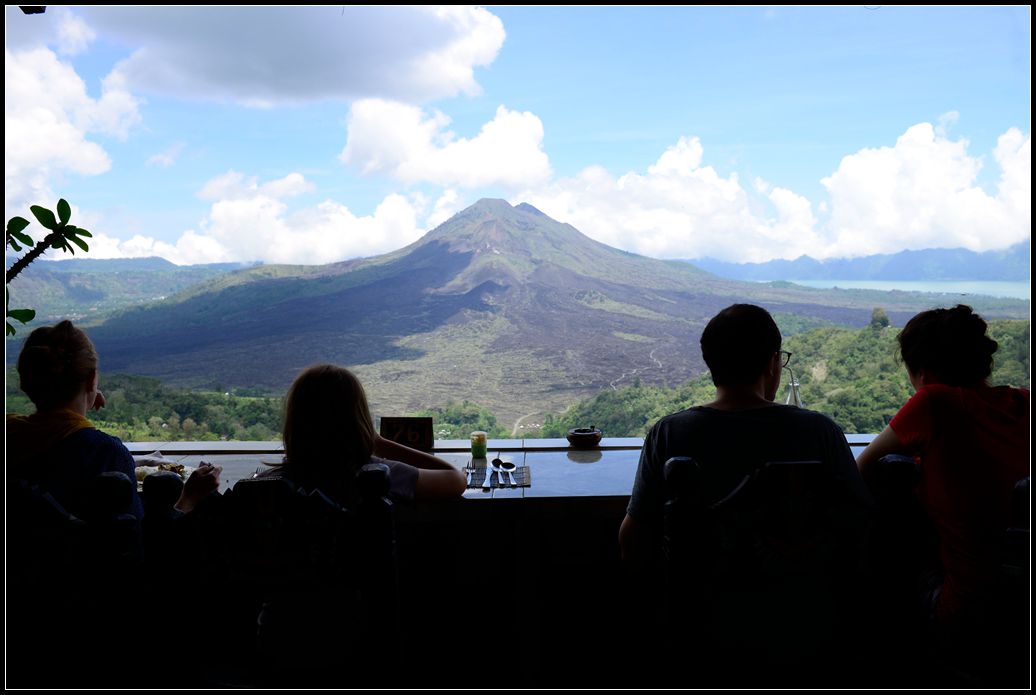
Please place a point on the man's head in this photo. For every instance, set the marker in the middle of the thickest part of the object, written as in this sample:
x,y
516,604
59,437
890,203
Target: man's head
x,y
739,343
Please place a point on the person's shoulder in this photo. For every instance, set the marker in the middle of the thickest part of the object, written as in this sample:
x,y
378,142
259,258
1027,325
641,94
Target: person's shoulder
x,y
681,416
806,417
391,463
96,439
1010,392
273,472
1009,400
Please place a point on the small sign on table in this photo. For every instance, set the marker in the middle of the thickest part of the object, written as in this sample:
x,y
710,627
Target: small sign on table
x,y
414,432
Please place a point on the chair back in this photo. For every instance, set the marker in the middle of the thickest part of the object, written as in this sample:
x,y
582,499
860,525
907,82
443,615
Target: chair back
x,y
325,574
69,581
1016,555
758,571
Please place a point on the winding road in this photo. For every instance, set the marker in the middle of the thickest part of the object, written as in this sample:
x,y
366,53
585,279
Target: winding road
x,y
514,430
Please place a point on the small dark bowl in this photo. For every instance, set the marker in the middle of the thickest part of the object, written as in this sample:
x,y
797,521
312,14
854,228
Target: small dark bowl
x,y
584,437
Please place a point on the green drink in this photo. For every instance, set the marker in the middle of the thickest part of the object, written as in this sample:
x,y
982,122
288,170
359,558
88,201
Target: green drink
x,y
478,445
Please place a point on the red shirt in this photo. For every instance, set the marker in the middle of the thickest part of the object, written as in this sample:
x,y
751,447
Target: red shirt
x,y
974,446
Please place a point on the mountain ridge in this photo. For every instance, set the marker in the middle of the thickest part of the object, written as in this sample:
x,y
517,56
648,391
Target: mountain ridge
x,y
957,264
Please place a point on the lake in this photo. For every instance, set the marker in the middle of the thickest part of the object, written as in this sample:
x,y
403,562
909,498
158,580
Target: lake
x,y
991,288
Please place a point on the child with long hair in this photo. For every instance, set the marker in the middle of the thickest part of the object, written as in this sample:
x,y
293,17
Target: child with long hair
x,y
329,434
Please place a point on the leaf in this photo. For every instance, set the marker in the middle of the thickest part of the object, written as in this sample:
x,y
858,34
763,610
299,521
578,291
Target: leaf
x,y
16,224
14,244
79,242
83,232
10,329
24,238
45,216
23,315
64,211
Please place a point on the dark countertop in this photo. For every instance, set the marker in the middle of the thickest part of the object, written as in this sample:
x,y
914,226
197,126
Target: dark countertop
x,y
557,471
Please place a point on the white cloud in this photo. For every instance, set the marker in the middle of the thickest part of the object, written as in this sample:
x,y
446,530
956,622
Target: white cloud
x,y
404,142
681,159
47,118
271,55
1014,155
679,209
249,221
448,205
946,121
74,35
167,157
922,193
234,186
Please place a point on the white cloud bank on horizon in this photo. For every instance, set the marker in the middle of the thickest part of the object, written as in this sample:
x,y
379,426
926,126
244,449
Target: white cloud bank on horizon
x,y
402,141
244,54
920,193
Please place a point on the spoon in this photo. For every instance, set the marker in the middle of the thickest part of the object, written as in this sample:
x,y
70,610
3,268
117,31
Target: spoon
x,y
507,467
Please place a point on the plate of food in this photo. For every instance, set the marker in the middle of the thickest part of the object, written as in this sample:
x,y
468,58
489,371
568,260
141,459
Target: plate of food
x,y
150,464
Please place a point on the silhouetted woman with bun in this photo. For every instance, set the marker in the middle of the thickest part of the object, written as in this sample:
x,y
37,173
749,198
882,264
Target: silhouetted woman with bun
x,y
972,440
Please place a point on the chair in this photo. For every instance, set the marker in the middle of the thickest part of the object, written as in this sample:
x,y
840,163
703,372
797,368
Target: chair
x,y
991,648
324,576
1017,560
760,576
69,581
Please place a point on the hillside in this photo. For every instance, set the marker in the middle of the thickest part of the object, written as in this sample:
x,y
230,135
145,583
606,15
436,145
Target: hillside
x,y
500,305
86,290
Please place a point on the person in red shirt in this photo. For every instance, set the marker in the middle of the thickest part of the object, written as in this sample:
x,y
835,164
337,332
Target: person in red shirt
x,y
972,441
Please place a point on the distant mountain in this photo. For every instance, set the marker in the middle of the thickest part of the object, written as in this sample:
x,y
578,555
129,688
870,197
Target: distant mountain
x,y
1011,264
122,265
85,289
499,305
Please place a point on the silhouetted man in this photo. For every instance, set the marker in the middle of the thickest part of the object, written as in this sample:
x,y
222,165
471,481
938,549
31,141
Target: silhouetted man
x,y
742,429
730,612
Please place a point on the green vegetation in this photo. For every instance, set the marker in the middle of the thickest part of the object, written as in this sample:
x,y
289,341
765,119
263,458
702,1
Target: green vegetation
x,y
458,420
629,412
596,300
852,376
793,324
142,409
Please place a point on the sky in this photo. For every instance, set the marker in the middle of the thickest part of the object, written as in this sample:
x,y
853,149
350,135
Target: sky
x,y
316,134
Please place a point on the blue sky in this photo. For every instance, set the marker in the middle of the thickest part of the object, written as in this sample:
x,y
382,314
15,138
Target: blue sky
x,y
310,135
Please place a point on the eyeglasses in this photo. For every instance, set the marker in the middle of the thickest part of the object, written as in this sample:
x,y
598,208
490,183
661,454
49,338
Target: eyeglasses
x,y
785,357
